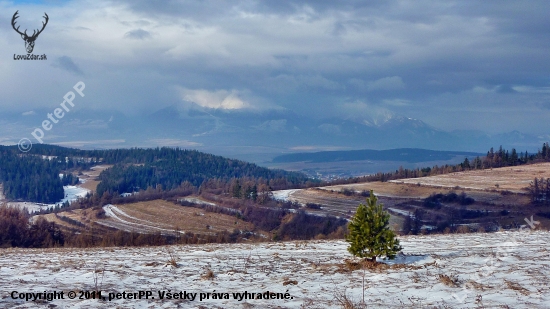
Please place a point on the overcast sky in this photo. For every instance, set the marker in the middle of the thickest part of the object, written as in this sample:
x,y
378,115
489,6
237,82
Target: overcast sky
x,y
453,64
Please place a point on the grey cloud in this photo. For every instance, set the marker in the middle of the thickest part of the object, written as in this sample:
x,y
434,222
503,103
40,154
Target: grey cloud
x,y
286,82
329,128
67,64
273,126
138,34
505,89
387,83
420,58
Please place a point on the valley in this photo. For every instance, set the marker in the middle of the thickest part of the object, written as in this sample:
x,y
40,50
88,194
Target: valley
x,y
233,235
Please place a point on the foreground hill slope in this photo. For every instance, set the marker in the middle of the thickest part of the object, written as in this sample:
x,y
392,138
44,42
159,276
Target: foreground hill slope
x,y
498,270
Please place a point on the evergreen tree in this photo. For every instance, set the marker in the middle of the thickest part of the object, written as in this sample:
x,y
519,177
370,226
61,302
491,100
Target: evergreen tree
x,y
466,164
369,235
407,225
236,189
514,157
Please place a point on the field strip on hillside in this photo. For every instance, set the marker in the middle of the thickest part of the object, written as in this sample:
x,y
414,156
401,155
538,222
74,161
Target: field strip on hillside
x,y
283,195
199,201
513,178
113,211
167,217
494,270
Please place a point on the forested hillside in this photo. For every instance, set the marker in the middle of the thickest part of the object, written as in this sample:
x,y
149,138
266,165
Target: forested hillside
x,y
34,176
30,178
170,167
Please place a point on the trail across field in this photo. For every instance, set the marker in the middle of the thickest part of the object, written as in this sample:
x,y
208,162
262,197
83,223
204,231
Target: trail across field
x,y
125,222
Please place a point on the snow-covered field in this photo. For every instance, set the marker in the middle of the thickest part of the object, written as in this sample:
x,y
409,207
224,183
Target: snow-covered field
x,y
499,270
283,195
72,193
401,212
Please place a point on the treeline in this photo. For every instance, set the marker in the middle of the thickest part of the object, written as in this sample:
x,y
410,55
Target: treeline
x,y
170,167
277,218
69,179
493,159
15,230
539,190
122,238
435,200
30,178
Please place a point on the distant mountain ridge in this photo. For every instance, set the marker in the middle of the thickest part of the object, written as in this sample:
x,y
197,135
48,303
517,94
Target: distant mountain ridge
x,y
411,155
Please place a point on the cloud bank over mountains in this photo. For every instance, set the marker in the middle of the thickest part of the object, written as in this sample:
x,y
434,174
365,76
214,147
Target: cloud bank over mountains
x,y
455,65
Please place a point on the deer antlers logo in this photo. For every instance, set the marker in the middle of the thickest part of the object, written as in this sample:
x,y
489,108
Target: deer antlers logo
x,y
29,40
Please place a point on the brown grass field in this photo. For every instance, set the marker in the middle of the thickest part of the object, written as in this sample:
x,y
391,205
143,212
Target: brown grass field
x,y
164,215
84,216
490,186
90,177
515,179
155,216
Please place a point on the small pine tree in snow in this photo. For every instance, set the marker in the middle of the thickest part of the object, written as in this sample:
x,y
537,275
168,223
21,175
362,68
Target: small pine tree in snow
x,y
369,235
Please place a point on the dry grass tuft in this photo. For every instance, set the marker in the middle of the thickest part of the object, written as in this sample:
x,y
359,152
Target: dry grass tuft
x,y
347,302
311,304
351,265
172,259
293,282
517,287
209,275
476,285
451,280
98,276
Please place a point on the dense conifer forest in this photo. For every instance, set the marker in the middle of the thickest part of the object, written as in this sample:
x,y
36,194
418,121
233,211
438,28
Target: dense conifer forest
x,y
34,176
30,178
170,167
